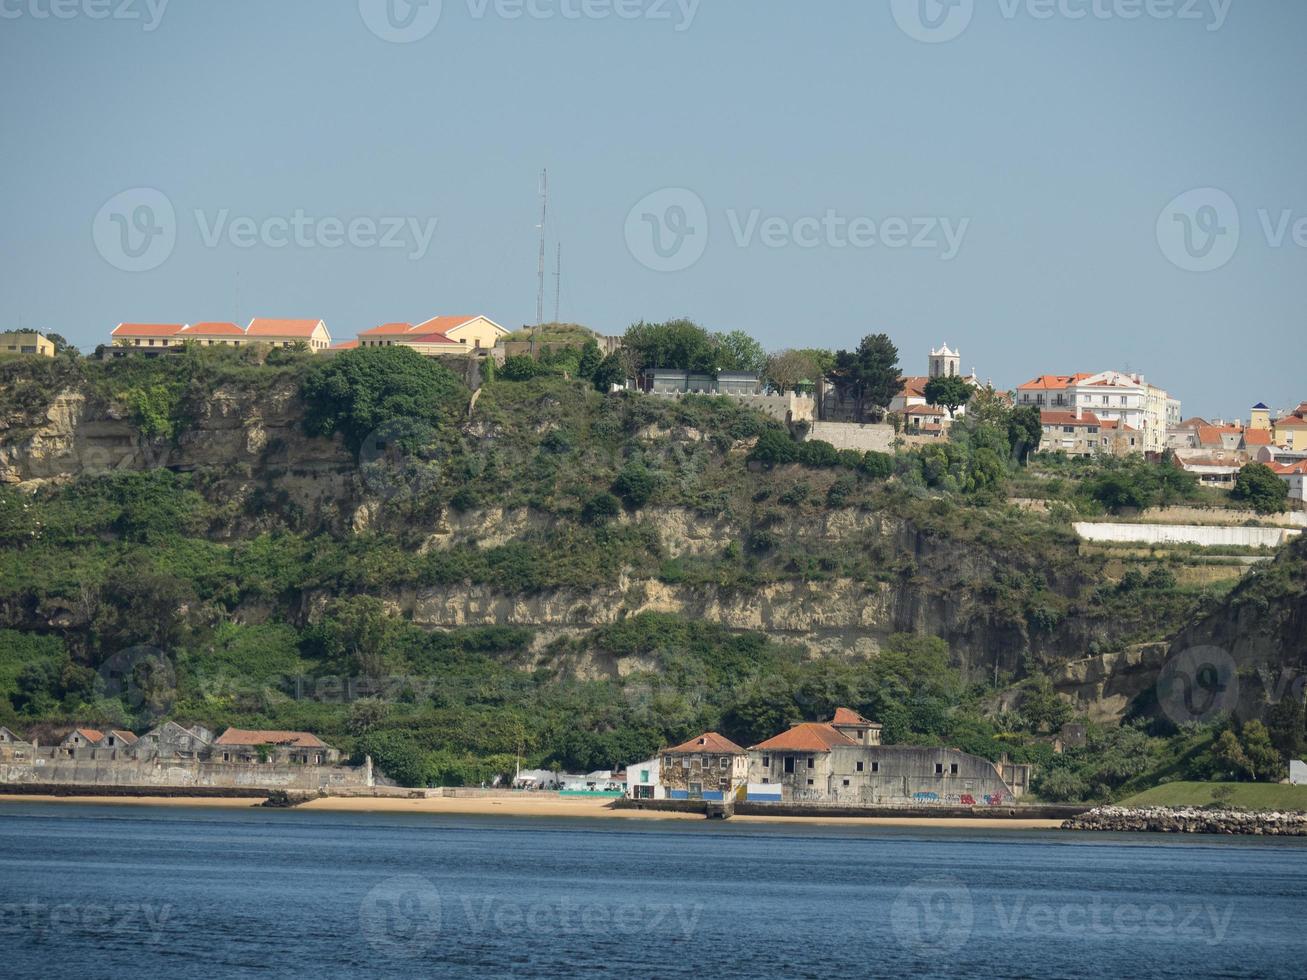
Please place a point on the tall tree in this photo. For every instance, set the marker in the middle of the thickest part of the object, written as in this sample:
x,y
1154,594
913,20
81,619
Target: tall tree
x,y
788,369
873,372
675,344
737,351
949,391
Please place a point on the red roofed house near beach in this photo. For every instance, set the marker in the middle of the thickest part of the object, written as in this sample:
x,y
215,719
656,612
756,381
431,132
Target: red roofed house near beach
x,y
707,767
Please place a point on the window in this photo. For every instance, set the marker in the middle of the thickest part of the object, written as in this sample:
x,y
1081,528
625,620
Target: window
x,y
789,763
766,762
812,763
765,780
875,767
644,775
846,782
809,782
953,769
939,769
726,762
859,767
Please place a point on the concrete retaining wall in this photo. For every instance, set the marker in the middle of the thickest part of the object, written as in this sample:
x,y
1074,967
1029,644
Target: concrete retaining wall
x,y
1217,515
852,435
1207,536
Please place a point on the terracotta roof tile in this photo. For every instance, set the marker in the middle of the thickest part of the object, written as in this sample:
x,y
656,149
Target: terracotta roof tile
x,y
264,327
215,330
1049,416
707,742
388,330
148,329
242,736
810,736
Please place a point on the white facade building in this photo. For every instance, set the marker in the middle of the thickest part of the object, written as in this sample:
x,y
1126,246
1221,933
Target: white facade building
x,y
642,780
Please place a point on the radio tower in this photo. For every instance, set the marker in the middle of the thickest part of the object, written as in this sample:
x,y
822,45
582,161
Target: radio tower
x,y
544,211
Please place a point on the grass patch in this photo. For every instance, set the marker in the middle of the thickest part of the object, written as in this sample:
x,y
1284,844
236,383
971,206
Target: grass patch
x,y
1250,796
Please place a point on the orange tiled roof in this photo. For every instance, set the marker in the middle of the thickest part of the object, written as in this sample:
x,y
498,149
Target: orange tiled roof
x,y
707,742
914,386
1290,422
1298,468
432,338
242,736
1048,416
148,329
811,736
442,324
90,734
932,410
1046,382
128,737
388,330
1257,437
345,345
215,329
263,327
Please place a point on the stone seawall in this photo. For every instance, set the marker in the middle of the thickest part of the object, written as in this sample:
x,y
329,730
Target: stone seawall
x,y
177,774
1037,811
1190,820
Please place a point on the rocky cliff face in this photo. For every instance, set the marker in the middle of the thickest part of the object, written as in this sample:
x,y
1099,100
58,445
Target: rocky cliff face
x,y
241,438
245,442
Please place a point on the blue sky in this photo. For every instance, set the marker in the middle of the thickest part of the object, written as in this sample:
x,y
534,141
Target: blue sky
x,y
813,172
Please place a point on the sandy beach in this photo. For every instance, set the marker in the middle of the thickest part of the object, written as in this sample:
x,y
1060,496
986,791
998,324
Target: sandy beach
x,y
535,806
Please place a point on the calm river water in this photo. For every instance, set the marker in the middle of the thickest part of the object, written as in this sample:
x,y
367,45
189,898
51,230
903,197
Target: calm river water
x,y
125,891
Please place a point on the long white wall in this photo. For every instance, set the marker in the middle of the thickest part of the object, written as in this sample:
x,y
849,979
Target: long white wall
x,y
1211,537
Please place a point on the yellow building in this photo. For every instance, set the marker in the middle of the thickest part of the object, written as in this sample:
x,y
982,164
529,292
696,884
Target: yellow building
x,y
439,336
148,336
1291,433
1259,417
26,342
288,333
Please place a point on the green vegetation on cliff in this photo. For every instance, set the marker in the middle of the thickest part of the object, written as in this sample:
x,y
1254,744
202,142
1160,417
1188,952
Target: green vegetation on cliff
x,y
545,570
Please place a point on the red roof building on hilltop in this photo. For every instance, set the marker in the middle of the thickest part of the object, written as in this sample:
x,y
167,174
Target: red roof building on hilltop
x,y
438,336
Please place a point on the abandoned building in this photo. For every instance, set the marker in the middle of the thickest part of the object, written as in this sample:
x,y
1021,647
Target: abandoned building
x,y
240,745
172,755
842,761
708,767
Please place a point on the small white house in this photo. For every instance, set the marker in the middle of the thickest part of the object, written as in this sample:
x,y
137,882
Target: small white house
x,y
1297,772
642,780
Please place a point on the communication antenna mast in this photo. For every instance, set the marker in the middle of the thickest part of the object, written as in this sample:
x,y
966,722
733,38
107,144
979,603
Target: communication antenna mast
x,y
558,280
544,211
